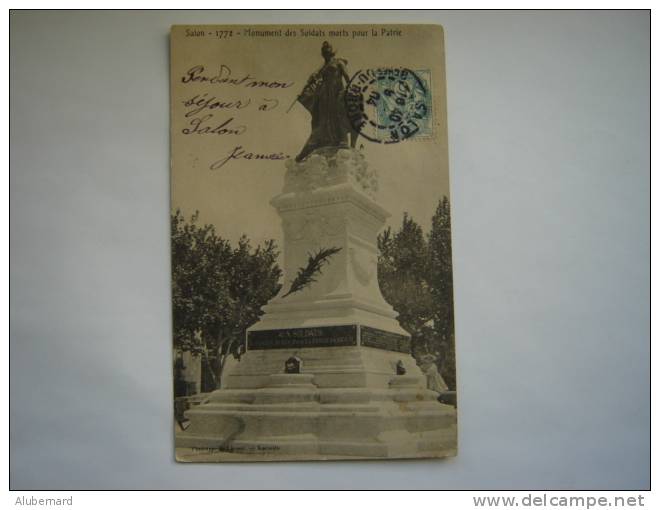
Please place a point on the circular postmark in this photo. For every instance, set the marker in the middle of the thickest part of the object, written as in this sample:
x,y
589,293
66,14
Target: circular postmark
x,y
387,105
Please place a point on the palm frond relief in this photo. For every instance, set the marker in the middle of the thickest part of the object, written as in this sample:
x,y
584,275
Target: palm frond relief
x,y
307,275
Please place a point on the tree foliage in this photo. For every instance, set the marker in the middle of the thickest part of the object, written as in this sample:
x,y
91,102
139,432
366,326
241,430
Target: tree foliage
x,y
217,289
442,289
414,274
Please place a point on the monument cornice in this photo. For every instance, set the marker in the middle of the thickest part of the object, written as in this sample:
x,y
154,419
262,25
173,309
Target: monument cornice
x,y
330,195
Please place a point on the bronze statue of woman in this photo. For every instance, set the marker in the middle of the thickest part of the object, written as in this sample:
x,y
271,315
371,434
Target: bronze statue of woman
x,y
323,96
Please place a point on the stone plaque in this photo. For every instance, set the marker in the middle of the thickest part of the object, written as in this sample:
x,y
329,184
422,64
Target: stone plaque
x,y
372,337
323,336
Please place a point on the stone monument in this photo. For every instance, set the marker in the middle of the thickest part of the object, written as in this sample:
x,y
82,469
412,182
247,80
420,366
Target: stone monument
x,y
359,393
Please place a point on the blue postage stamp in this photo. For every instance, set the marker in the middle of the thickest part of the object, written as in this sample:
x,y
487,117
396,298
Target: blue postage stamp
x,y
419,93
391,105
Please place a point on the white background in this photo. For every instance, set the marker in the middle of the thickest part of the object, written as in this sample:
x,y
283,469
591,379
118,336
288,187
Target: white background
x,y
549,162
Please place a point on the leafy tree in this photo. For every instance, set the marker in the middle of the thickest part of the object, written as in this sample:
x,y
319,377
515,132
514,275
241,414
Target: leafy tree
x,y
414,274
441,281
402,276
217,290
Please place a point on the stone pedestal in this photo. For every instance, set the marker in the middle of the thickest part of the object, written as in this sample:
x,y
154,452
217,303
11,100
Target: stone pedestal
x,y
328,202
348,401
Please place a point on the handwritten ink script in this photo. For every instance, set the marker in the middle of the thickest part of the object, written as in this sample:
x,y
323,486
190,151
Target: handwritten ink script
x,y
220,112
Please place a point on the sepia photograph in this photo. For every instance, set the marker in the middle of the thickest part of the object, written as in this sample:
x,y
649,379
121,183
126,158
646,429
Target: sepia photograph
x,y
311,243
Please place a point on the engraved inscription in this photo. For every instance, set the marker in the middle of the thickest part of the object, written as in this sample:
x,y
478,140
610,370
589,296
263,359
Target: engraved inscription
x,y
326,336
372,337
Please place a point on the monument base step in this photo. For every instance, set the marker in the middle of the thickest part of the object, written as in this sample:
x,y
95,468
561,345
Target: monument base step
x,y
297,421
370,412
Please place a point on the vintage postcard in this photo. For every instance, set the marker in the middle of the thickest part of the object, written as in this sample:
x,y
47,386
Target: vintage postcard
x,y
311,243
